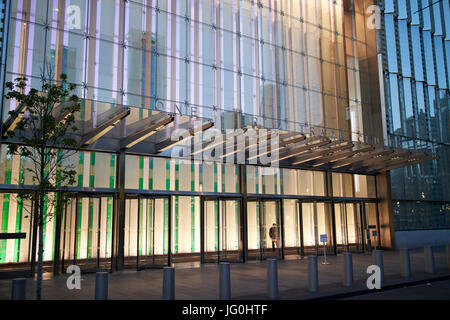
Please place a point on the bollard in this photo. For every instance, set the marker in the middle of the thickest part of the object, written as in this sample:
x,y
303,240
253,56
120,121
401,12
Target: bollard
x,y
18,289
378,257
272,276
101,286
313,274
447,247
225,281
348,269
169,283
429,259
405,264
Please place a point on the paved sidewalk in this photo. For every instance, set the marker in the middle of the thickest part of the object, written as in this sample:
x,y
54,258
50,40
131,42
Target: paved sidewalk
x,y
248,280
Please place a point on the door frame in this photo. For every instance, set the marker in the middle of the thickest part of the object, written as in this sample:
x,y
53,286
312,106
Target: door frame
x,y
362,221
331,249
221,199
279,203
60,264
140,197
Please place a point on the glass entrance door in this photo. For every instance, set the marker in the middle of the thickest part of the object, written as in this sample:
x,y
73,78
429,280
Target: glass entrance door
x,y
348,227
292,227
370,224
222,231
146,232
87,233
316,222
153,234
271,229
264,229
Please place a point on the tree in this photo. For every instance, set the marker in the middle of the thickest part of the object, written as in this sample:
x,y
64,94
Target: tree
x,y
44,121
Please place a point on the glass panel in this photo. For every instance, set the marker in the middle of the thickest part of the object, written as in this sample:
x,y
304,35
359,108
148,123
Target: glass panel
x,y
354,227
186,229
271,229
230,231
370,220
93,234
341,228
131,235
152,239
15,217
222,231
309,228
211,230
253,231
324,225
292,241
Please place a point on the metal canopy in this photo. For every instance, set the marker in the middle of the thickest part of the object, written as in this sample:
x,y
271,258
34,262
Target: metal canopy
x,y
127,129
11,122
113,118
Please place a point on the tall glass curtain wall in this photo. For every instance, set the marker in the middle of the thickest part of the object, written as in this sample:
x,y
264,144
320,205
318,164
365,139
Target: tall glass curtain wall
x,y
283,62
416,55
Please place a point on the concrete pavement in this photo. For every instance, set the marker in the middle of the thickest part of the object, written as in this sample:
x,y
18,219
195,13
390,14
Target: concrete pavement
x,y
248,281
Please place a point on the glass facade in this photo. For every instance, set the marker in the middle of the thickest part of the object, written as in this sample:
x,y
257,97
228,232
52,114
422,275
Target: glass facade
x,y
282,64
416,70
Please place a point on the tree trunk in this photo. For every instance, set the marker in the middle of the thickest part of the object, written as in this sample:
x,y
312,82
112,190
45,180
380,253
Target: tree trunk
x,y
41,228
40,247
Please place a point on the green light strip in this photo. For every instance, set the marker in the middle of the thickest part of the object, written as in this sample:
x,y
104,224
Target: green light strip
x,y
5,214
18,229
141,173
150,174
80,216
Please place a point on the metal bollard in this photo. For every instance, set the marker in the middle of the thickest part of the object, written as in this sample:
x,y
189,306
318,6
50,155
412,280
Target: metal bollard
x,y
313,274
429,259
348,269
272,276
18,289
378,260
101,286
405,264
169,283
225,281
447,247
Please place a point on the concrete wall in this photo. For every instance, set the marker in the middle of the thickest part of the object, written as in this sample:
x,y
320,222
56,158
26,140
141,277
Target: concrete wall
x,y
420,238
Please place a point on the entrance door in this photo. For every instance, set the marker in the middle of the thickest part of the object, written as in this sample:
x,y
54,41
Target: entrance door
x,y
271,229
348,227
222,231
370,226
87,233
316,222
264,229
292,227
146,232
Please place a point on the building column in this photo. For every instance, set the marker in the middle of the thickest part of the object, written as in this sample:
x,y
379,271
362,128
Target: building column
x,y
243,191
58,233
119,231
385,210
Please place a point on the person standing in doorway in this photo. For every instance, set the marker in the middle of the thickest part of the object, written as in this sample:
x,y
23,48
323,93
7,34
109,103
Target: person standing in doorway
x,y
273,234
